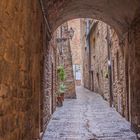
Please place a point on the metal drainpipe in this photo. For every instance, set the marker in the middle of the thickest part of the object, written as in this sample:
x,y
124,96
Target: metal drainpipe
x,y
109,66
89,62
45,18
88,49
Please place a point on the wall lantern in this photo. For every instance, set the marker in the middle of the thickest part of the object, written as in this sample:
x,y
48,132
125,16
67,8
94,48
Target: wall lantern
x,y
68,34
71,33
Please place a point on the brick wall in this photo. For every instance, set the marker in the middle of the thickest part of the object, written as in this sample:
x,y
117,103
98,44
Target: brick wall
x,y
75,42
134,73
65,59
118,74
99,60
84,52
70,84
24,60
49,82
95,59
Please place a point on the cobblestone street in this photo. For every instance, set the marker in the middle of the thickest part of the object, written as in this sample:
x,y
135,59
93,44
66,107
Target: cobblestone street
x,y
88,117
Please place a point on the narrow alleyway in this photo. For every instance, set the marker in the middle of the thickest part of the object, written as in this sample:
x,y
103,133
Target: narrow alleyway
x,y
88,117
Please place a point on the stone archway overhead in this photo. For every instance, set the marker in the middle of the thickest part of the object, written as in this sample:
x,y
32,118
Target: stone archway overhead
x,y
117,13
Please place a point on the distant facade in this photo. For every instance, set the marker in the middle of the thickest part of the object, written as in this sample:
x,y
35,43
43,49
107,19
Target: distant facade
x,y
64,58
76,50
103,64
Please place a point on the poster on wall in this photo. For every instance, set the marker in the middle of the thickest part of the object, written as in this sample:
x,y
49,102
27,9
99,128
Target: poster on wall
x,y
77,72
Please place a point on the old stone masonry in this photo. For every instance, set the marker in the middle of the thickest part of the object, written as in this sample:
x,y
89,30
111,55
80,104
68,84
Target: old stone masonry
x,y
88,117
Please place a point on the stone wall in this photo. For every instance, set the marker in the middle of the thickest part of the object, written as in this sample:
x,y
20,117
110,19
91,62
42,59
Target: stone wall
x,y
99,59
118,74
84,52
95,59
24,100
23,63
20,68
65,59
49,81
75,44
134,73
70,84
96,71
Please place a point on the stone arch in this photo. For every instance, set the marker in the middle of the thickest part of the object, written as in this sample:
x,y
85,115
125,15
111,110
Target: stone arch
x,y
123,16
115,13
22,54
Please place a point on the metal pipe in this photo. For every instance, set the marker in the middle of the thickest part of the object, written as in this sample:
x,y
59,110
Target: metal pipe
x,y
109,66
45,18
88,48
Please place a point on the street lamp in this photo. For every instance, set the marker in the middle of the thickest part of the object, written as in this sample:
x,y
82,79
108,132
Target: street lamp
x,y
71,33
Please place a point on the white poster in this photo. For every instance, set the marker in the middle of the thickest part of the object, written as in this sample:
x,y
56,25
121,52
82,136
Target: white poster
x,y
77,72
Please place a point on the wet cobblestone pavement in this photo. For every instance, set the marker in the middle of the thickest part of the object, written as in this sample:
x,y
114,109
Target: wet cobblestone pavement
x,y
88,117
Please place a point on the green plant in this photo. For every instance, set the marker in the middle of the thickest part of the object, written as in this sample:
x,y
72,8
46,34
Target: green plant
x,y
60,94
62,88
61,73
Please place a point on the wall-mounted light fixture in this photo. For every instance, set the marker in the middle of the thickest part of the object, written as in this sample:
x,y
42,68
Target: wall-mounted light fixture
x,y
68,35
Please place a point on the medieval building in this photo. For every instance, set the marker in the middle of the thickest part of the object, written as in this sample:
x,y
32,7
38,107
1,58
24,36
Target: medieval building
x,y
103,64
64,58
34,41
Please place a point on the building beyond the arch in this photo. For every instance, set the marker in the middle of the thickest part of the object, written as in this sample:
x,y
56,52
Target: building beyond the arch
x,y
25,32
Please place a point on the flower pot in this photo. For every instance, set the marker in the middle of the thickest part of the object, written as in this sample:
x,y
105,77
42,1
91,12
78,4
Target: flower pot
x,y
59,101
62,96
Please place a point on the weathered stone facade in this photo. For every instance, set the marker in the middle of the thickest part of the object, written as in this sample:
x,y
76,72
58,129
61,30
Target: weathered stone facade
x,y
98,59
49,82
96,65
21,53
70,84
119,16
23,39
85,62
65,59
96,69
116,13
23,57
75,44
133,71
118,74
75,41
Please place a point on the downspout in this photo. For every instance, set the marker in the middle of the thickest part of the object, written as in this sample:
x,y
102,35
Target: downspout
x,y
46,20
88,49
89,45
109,67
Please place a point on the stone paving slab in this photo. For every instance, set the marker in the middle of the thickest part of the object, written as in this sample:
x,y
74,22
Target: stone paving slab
x,y
88,117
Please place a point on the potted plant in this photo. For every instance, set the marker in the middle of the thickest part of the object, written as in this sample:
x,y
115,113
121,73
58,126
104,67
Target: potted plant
x,y
106,74
59,100
61,73
61,86
62,90
60,94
